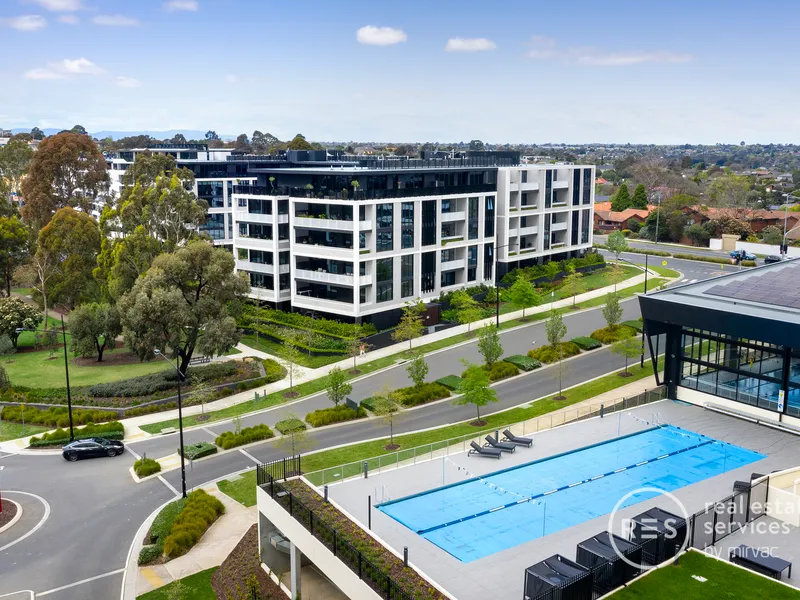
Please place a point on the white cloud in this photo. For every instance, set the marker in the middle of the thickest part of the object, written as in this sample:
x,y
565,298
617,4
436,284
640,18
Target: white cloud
x,y
115,21
545,48
380,36
80,66
60,5
43,73
25,22
469,45
69,19
231,78
176,5
127,82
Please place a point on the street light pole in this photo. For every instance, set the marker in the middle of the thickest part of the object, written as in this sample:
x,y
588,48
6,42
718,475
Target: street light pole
x,y
497,286
66,372
658,216
180,423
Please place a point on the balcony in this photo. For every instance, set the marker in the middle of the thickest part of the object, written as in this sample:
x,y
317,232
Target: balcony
x,y
558,226
323,251
452,265
529,230
453,216
556,245
246,265
329,224
325,194
260,190
529,207
560,184
365,225
451,239
245,216
255,243
325,277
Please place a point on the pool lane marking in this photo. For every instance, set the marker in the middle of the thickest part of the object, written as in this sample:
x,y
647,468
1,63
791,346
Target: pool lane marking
x,y
560,489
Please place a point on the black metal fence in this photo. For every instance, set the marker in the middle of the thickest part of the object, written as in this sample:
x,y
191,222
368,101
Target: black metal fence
x,y
269,478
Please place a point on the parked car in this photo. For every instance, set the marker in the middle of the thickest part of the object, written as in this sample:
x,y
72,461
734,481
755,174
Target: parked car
x,y
772,258
742,255
92,447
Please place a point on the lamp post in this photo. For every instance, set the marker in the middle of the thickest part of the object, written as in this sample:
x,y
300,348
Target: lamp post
x,y
66,372
658,217
180,422
497,285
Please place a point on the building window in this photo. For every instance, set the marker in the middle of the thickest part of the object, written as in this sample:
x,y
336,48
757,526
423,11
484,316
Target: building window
x,y
576,187
587,186
362,294
229,185
407,224
548,188
472,263
407,276
384,277
262,280
261,257
283,257
385,228
488,217
284,281
428,222
576,218
242,253
259,207
212,192
587,227
448,278
488,261
215,227
428,279
473,218
524,177
255,230
547,220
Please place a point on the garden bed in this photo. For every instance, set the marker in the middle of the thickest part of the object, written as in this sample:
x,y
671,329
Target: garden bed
x,y
8,513
153,550
427,392
550,354
607,335
522,362
113,430
337,414
451,382
231,439
241,568
199,450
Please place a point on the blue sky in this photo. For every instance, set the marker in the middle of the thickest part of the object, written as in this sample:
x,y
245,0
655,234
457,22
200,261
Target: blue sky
x,y
435,70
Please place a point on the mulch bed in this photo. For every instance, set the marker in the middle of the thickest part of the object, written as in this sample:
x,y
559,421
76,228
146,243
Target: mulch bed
x,y
231,579
9,510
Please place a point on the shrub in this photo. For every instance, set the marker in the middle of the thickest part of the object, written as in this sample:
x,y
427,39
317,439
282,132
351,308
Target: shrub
x,y
289,425
427,392
230,439
146,466
537,271
710,259
198,513
369,403
274,370
634,324
110,431
337,414
150,409
609,336
451,382
252,315
56,416
748,263
501,370
549,354
147,385
523,362
639,251
150,553
586,343
199,450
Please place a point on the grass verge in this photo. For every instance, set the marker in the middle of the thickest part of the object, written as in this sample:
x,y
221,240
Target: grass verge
x,y
196,587
12,431
242,489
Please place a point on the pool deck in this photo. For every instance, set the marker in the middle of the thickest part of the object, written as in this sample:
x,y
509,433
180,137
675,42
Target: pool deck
x,y
500,575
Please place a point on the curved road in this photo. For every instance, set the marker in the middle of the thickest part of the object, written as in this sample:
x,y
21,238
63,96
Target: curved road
x,y
96,508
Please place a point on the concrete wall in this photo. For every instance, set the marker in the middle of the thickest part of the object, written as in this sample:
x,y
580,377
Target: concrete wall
x,y
765,248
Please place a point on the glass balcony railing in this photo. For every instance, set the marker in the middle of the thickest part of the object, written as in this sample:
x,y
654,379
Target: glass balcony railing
x,y
327,194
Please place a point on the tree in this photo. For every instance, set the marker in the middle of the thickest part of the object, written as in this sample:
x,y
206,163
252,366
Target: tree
x,y
123,259
15,159
72,239
489,344
468,316
202,392
337,387
242,144
617,244
79,130
37,275
410,326
657,217
475,145
628,348
6,347
68,169
212,136
621,199
263,142
292,356
551,270
474,389
555,328
639,199
772,235
178,138
295,439
14,239
385,407
37,134
573,283
676,225
697,234
48,340
299,143
5,382
612,311
15,315
615,274
92,327
187,300
356,347
523,293
729,191
417,369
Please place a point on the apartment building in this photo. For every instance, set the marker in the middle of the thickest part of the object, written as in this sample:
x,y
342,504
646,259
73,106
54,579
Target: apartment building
x,y
355,237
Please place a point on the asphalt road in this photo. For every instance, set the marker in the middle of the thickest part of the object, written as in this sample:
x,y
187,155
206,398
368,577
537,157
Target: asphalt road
x,y
96,508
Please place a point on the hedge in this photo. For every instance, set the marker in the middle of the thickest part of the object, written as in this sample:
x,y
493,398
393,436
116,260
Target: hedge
x,y
369,403
230,439
146,466
711,259
499,370
451,382
748,263
159,530
198,450
638,250
607,335
252,315
538,271
318,343
110,431
416,395
147,385
290,425
634,324
337,414
199,512
526,363
274,370
549,354
586,343
56,416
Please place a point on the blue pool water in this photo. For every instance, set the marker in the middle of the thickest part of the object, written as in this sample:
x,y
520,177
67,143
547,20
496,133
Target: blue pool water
x,y
457,518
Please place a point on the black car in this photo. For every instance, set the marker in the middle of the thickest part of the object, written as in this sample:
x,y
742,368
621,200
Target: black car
x,y
91,447
772,258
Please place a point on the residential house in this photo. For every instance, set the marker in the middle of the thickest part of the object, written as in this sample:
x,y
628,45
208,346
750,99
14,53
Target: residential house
x,y
607,221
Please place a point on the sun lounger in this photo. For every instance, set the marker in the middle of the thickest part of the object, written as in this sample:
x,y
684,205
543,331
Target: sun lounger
x,y
491,452
515,439
504,446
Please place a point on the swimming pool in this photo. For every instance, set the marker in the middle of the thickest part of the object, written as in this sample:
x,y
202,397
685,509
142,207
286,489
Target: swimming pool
x,y
478,517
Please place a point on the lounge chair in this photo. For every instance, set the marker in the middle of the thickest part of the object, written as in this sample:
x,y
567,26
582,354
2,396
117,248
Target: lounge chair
x,y
504,446
515,439
491,452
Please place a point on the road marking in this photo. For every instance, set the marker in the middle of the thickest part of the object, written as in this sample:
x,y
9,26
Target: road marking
x,y
693,281
684,280
38,525
19,592
152,577
169,485
250,456
81,582
136,455
209,432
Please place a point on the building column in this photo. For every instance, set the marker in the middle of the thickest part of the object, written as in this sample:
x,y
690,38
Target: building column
x,y
672,361
294,562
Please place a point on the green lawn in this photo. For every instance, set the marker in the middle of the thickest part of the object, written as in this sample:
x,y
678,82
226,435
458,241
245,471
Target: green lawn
x,y
38,370
724,582
28,338
12,431
277,349
196,587
22,291
242,489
